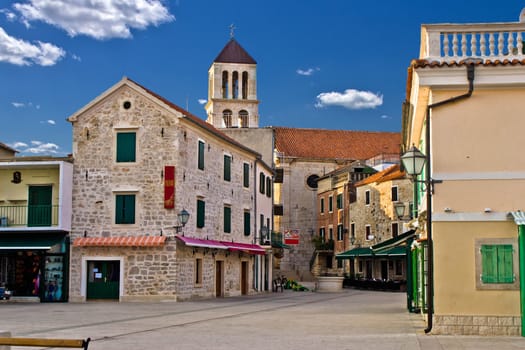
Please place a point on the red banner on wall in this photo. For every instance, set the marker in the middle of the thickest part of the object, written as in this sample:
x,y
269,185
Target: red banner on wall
x,y
291,236
169,187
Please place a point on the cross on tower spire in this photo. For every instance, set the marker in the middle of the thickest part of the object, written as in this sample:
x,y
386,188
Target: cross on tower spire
x,y
232,28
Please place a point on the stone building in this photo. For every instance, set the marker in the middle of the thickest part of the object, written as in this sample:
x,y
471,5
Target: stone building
x,y
373,220
139,162
335,191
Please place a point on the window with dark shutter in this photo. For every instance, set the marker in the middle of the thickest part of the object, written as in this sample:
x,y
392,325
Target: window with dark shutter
x,y
278,210
268,187
201,212
262,180
279,176
126,147
497,263
200,161
247,224
246,175
227,219
227,168
125,209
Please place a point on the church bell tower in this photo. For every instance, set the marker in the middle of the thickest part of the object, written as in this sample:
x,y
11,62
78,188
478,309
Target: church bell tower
x,y
232,89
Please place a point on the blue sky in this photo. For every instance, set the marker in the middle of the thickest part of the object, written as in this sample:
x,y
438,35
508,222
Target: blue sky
x,y
335,64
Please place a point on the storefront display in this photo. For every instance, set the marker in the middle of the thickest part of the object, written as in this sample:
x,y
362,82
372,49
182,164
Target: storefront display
x,y
54,278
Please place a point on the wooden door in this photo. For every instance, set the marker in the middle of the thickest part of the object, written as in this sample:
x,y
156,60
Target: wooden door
x,y
244,278
218,279
103,279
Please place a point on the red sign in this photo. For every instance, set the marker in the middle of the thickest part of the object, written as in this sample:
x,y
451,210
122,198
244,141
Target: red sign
x,y
291,236
169,187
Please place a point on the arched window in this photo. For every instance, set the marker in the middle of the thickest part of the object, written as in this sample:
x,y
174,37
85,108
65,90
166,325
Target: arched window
x,y
243,116
235,85
227,117
244,85
225,84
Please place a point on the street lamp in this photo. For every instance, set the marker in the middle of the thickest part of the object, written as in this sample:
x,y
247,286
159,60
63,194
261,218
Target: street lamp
x,y
183,217
400,210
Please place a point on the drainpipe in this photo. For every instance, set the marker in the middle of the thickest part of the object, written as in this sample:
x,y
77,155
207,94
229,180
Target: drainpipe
x,y
521,248
429,189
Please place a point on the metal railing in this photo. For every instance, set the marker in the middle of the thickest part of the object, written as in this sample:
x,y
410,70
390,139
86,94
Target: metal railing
x,y
29,215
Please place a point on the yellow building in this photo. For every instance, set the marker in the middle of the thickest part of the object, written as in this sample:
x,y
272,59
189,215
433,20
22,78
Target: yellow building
x,y
464,109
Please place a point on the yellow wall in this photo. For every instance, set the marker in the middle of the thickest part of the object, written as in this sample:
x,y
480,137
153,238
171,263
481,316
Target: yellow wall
x,y
454,270
19,192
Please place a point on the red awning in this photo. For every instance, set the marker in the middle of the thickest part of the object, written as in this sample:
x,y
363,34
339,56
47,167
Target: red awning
x,y
203,243
129,241
233,246
245,247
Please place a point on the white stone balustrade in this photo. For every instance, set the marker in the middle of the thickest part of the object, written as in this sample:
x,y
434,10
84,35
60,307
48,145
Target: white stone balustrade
x,y
456,42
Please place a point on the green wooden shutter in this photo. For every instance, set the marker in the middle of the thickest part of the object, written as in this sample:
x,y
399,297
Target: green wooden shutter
x,y
261,182
201,212
227,219
227,168
489,264
246,175
268,187
125,209
126,143
505,267
247,224
201,156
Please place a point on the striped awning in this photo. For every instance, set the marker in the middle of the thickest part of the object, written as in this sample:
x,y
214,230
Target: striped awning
x,y
231,246
122,241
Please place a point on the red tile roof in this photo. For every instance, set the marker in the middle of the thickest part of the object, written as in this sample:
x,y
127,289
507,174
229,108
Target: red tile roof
x,y
334,144
234,53
129,241
389,174
424,63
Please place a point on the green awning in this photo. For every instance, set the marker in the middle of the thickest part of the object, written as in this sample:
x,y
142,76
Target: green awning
x,y
352,253
30,240
277,244
395,251
393,242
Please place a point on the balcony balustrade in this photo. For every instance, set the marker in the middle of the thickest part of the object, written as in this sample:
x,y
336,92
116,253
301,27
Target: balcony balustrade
x,y
28,216
487,41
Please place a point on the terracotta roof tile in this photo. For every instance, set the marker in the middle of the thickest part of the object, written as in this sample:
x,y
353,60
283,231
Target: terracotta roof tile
x,y
425,63
233,52
390,173
334,144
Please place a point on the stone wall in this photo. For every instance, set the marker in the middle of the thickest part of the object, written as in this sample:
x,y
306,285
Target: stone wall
x,y
477,325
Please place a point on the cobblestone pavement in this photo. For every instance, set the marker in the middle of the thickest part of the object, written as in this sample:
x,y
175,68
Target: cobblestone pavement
x,y
351,319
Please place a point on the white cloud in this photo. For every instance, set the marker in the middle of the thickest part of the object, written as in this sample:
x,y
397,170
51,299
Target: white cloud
x,y
76,58
18,104
202,101
11,16
23,53
50,121
351,99
384,116
308,71
36,148
98,19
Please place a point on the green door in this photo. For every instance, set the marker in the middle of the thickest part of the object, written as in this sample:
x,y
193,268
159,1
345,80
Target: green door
x,y
103,280
39,208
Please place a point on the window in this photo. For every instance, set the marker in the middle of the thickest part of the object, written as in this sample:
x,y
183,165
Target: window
x,y
227,118
352,229
227,168
368,233
339,263
322,233
244,85
262,179
367,197
198,271
227,219
200,161
225,84
243,116
330,204
247,225
278,210
496,261
321,205
268,187
394,194
125,209
246,175
235,85
399,267
311,181
201,213
331,233
395,229
329,262
279,175
360,265
340,232
339,201
126,147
